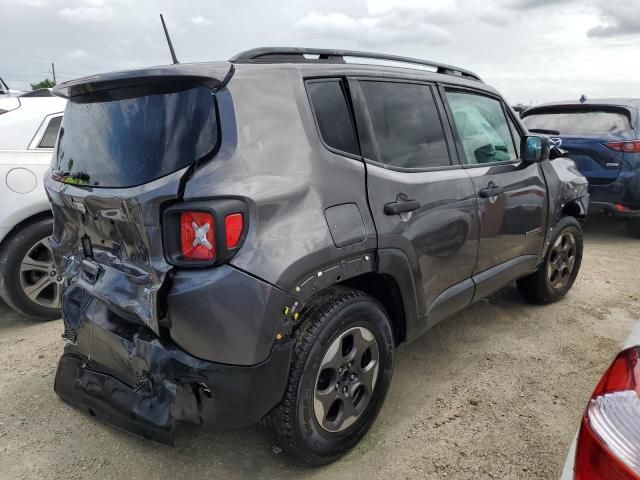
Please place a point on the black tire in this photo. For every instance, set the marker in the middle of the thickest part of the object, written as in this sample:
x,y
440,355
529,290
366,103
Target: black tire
x,y
633,227
14,250
537,287
293,424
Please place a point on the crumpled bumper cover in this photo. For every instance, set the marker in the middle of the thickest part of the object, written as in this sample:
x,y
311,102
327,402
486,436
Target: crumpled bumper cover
x,y
125,375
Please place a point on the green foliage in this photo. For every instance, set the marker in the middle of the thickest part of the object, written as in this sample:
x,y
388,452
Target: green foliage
x,y
46,83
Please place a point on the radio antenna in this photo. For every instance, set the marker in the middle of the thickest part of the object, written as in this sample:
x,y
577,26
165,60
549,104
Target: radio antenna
x,y
166,33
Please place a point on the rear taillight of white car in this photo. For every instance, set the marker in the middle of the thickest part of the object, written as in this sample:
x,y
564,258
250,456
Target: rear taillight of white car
x,y
608,445
203,233
627,147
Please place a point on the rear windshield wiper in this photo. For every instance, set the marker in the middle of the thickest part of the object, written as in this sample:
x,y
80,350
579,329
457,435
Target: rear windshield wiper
x,y
544,131
71,177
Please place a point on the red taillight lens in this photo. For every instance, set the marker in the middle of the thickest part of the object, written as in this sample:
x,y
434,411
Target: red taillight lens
x,y
233,226
619,207
627,147
609,439
196,236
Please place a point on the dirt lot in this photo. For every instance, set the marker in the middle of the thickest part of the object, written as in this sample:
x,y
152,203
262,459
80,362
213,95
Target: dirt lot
x,y
494,393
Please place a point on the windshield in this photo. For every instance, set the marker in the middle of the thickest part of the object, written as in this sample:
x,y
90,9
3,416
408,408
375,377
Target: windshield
x,y
581,123
124,142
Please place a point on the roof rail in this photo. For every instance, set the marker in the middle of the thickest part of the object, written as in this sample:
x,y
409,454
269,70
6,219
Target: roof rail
x,y
292,54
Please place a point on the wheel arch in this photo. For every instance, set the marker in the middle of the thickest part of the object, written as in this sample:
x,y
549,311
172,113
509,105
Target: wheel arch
x,y
393,284
574,208
23,224
384,288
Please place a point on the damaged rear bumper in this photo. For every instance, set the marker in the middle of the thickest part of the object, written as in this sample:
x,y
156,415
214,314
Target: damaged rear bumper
x,y
123,374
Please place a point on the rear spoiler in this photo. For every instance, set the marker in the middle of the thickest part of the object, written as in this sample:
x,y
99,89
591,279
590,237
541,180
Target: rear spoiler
x,y
214,75
629,111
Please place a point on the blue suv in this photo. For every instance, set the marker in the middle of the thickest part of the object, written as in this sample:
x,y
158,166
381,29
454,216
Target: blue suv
x,y
602,137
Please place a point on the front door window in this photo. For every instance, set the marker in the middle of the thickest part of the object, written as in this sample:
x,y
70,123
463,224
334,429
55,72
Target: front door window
x,y
483,128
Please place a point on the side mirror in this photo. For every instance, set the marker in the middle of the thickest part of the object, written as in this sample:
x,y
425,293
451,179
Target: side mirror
x,y
535,149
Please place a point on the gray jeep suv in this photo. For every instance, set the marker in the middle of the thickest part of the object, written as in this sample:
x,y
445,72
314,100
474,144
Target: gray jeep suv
x,y
251,240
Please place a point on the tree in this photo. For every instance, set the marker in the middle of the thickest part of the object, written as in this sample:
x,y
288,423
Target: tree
x,y
46,83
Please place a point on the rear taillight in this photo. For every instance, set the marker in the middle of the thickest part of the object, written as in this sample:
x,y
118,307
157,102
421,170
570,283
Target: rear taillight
x,y
620,208
609,440
233,226
204,233
197,241
627,147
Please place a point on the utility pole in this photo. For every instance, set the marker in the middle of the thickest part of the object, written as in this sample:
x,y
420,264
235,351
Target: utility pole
x,y
53,70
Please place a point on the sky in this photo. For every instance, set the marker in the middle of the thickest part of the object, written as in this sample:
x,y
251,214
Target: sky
x,y
532,51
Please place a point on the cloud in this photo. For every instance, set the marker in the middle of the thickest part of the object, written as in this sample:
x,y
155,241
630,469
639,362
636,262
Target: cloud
x,y
31,3
94,12
382,27
436,11
534,4
173,26
201,21
78,53
618,17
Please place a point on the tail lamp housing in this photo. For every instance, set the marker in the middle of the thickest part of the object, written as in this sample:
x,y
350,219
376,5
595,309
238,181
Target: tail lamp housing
x,y
609,439
203,233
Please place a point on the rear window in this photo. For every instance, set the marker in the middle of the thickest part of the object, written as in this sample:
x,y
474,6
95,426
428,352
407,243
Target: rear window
x,y
119,140
583,122
332,114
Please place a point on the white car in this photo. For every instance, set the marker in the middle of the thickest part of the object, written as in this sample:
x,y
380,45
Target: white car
x,y
6,91
29,281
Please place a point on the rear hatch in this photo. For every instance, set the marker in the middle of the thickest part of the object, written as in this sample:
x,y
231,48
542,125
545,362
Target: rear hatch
x,y
125,147
592,134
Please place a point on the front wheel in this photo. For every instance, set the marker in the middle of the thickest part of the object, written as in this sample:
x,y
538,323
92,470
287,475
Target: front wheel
x,y
555,276
339,377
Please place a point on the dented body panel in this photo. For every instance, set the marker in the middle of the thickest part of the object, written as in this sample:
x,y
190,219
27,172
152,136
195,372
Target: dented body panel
x,y
126,375
567,190
124,230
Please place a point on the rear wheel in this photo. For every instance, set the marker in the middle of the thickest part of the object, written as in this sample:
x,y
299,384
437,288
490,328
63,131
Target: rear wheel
x,y
555,276
341,371
633,227
29,280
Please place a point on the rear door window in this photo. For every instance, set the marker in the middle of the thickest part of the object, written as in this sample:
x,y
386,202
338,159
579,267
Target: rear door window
x,y
482,127
332,114
581,123
406,125
128,137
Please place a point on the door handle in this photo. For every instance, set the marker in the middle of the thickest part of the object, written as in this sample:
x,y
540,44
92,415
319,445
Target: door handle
x,y
401,206
491,191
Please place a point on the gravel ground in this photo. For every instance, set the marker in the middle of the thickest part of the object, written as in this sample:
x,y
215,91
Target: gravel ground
x,y
495,392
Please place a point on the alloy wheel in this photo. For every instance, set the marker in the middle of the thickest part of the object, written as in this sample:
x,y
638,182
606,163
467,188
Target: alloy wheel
x,y
562,258
346,379
39,278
